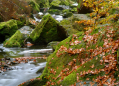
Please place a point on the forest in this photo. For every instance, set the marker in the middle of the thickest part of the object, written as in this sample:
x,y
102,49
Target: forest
x,y
65,42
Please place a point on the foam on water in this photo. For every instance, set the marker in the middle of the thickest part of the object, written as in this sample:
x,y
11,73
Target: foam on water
x,y
21,73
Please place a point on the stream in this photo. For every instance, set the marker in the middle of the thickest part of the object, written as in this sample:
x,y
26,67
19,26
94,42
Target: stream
x,y
22,72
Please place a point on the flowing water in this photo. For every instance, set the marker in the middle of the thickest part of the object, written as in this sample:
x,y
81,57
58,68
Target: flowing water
x,y
24,71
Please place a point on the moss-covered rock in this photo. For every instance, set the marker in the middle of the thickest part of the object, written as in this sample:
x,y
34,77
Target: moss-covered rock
x,y
8,28
66,67
43,3
60,63
54,11
17,40
53,44
66,2
48,30
74,9
34,5
61,2
55,3
68,14
70,26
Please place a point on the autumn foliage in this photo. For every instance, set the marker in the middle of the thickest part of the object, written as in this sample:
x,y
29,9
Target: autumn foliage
x,y
101,46
11,9
91,55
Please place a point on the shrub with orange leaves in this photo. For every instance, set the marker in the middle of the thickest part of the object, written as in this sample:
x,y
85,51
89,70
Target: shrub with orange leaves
x,y
91,55
10,9
101,12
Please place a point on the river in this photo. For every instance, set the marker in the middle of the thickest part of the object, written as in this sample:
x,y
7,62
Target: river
x,y
22,72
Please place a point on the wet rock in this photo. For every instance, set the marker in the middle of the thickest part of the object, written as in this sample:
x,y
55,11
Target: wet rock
x,y
40,70
54,11
46,31
68,14
53,44
39,16
70,26
35,82
7,29
26,30
34,5
17,40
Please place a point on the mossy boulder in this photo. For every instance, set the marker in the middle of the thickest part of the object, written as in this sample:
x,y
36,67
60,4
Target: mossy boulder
x,y
70,26
7,29
74,9
58,62
67,14
55,3
34,5
35,82
66,2
54,11
53,44
67,66
16,40
43,3
61,2
48,30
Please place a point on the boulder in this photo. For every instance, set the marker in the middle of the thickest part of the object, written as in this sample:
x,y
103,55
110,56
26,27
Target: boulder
x,y
48,30
71,26
54,11
7,29
65,68
53,44
34,5
17,40
68,14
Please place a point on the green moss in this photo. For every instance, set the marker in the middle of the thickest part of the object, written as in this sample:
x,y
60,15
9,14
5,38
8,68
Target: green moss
x,y
48,30
112,11
80,3
65,10
71,79
61,2
54,11
55,3
53,44
70,26
34,5
20,23
9,24
62,60
65,2
68,14
36,82
8,28
74,9
17,40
